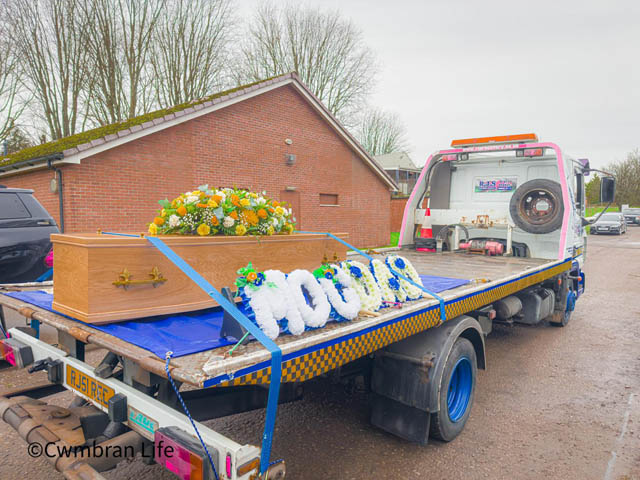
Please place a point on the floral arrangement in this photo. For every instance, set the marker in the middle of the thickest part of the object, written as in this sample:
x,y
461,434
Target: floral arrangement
x,y
267,300
403,266
222,211
249,277
316,314
337,285
364,284
389,285
303,300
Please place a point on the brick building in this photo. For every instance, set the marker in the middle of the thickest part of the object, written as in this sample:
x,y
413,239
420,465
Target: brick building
x,y
273,135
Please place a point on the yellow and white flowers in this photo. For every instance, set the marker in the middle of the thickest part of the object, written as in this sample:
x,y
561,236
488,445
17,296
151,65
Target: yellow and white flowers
x,y
390,287
222,211
403,266
364,284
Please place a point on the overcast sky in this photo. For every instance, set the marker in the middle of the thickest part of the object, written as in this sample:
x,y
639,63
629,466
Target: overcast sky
x,y
568,70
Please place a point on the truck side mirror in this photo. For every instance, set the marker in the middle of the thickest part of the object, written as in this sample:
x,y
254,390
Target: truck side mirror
x,y
607,189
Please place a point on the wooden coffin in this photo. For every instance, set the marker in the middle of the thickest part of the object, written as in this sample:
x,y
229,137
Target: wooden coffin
x,y
104,278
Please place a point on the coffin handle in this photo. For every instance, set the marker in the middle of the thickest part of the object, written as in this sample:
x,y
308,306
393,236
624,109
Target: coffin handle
x,y
124,279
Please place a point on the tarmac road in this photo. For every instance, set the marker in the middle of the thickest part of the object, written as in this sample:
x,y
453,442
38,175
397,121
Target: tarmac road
x,y
555,403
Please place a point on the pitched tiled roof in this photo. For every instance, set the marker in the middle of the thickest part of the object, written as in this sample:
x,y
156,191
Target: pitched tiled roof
x,y
79,145
97,136
393,160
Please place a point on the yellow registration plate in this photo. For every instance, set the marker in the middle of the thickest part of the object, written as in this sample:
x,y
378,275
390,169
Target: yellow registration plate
x,y
88,386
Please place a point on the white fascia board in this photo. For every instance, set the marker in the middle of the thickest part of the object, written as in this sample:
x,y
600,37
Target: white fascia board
x,y
37,166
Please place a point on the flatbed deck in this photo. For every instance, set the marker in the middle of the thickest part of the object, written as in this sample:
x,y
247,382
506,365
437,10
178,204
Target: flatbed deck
x,y
318,351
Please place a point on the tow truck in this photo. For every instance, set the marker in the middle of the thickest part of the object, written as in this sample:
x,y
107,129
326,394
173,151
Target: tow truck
x,y
507,215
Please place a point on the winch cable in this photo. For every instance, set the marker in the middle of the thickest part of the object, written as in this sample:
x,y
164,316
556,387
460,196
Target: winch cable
x,y
270,345
443,315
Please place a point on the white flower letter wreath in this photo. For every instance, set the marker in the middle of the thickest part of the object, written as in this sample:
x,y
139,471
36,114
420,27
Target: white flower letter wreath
x,y
403,266
390,288
271,302
364,284
337,285
295,324
314,316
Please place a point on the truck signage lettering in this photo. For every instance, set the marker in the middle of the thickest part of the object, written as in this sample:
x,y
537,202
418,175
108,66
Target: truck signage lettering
x,y
495,185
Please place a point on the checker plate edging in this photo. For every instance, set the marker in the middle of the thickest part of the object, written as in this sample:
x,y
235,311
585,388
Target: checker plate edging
x,y
312,364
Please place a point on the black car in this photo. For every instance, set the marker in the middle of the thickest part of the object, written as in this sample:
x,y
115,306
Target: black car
x,y
25,227
632,215
612,222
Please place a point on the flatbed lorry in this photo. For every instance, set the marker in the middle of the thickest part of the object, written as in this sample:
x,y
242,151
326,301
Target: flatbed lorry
x,y
419,358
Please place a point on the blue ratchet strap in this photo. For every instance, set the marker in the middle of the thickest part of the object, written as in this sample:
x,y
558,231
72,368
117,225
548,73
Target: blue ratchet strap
x,y
122,234
276,353
45,276
443,315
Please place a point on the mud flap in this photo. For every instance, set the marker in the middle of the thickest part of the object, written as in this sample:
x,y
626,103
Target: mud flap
x,y
405,378
409,423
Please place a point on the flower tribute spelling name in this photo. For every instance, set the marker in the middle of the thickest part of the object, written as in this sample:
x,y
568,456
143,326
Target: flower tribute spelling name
x,y
302,300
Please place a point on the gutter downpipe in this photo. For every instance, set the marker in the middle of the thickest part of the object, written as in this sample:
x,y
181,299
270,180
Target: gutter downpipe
x,y
58,173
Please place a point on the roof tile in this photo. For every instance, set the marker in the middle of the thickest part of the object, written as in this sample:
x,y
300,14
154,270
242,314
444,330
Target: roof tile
x,y
70,151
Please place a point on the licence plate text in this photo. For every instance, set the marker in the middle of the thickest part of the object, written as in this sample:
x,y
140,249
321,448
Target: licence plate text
x,y
88,386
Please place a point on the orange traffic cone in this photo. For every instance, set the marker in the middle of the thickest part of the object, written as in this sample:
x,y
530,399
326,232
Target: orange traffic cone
x,y
426,231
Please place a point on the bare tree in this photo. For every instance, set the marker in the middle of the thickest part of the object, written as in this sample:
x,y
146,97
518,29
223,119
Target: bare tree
x,y
327,51
382,132
51,38
11,106
106,93
120,44
191,50
627,173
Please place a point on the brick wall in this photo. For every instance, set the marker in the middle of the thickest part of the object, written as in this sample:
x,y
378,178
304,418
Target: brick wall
x,y
241,145
397,212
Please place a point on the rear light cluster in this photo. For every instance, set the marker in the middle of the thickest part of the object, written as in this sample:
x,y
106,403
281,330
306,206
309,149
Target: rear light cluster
x,y
530,152
16,353
182,454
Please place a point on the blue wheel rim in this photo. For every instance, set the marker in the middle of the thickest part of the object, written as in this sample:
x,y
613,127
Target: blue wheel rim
x,y
459,390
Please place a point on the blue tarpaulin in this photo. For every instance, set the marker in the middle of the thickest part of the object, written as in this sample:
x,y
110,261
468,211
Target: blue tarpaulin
x,y
190,332
440,284
183,333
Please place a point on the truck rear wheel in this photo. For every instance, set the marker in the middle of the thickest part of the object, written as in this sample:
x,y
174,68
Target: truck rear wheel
x,y
560,318
456,390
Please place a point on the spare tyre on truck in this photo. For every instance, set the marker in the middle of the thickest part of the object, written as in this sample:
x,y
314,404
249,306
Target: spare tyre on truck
x,y
536,206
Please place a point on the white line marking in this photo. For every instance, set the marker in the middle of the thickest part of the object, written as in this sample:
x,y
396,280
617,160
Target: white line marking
x,y
623,430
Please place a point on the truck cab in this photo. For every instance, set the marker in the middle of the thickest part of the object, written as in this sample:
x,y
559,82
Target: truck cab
x,y
527,195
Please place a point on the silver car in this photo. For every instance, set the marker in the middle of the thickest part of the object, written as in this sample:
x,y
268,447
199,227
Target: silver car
x,y
612,222
632,215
